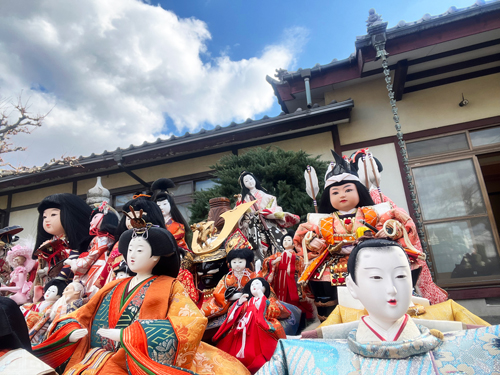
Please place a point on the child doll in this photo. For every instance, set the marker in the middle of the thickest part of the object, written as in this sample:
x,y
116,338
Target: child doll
x,y
248,335
230,286
19,258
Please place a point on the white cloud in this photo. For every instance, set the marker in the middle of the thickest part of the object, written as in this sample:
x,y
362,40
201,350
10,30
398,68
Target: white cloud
x,y
112,70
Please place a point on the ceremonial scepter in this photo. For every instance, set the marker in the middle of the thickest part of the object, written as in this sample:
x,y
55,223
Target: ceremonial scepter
x,y
370,156
312,187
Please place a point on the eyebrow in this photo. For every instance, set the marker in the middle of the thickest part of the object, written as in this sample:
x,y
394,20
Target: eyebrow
x,y
371,268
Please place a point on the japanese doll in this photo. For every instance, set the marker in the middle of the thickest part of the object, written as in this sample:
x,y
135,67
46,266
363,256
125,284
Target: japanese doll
x,y
230,287
90,266
326,240
282,271
63,230
19,258
247,333
174,221
264,224
138,325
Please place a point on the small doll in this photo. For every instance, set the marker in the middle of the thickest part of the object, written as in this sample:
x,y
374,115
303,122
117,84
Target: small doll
x,y
246,333
122,271
282,271
19,258
174,221
90,267
230,286
63,229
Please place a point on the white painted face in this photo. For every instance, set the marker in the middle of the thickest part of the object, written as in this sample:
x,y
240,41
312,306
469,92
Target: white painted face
x,y
249,182
164,207
238,264
96,221
127,220
121,275
51,293
52,221
288,243
257,289
139,257
383,284
70,293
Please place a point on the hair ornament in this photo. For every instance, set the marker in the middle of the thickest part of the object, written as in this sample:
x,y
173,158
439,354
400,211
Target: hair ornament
x,y
141,195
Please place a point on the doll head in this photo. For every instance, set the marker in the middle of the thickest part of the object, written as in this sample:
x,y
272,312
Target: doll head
x,y
66,212
239,259
73,291
104,219
247,182
151,214
380,278
287,240
20,255
122,271
257,283
153,248
53,290
166,202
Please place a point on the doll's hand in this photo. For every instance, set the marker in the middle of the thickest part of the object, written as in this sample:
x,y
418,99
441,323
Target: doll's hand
x,y
317,244
78,334
72,264
112,334
276,261
235,296
243,299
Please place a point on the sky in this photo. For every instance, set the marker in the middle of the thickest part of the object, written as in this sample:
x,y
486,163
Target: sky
x,y
111,73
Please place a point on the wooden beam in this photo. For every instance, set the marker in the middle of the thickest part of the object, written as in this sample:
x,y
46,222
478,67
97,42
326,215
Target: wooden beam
x,y
336,140
400,79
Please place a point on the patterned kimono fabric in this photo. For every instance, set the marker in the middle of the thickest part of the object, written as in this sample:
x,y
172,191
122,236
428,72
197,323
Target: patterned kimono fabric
x,y
179,232
217,305
249,336
159,335
186,279
284,280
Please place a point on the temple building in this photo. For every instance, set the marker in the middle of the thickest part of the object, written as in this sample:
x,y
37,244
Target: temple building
x,y
441,85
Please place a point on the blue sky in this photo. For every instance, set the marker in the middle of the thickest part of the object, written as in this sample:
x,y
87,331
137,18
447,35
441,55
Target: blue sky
x,y
119,72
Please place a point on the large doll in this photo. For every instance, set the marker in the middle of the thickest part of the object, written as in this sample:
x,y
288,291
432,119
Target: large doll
x,y
246,333
139,325
174,221
19,258
264,225
230,286
63,229
282,271
90,267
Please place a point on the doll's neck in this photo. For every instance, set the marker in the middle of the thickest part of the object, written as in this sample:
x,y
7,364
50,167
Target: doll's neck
x,y
350,212
167,218
253,191
139,278
239,274
45,304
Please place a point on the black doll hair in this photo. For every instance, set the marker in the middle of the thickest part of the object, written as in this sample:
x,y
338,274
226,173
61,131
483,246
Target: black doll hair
x,y
153,214
162,244
244,189
289,233
13,329
74,215
244,253
160,188
59,284
378,243
265,284
123,267
325,205
109,221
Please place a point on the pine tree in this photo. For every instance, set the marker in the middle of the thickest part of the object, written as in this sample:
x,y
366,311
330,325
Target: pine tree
x,y
280,172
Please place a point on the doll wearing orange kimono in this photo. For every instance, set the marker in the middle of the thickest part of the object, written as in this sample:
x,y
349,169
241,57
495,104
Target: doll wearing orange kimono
x,y
144,324
230,286
246,333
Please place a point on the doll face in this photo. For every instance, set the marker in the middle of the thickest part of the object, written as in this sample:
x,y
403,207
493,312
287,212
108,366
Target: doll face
x,y
383,284
52,221
127,219
96,221
139,257
238,264
51,293
249,182
121,275
70,294
344,197
288,243
18,261
257,289
164,207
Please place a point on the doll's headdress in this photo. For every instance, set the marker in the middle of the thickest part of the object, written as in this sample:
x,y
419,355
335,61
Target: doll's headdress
x,y
339,170
160,188
139,225
104,208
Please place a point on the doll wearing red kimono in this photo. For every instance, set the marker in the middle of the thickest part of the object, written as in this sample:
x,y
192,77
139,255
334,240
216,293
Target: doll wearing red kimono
x,y
246,333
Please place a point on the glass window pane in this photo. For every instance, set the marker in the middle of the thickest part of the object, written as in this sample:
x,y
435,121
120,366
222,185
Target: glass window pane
x,y
485,137
185,211
437,145
182,189
463,249
204,185
448,190
121,199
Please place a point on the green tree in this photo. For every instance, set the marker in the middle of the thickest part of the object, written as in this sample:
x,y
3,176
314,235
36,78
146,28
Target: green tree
x,y
280,172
